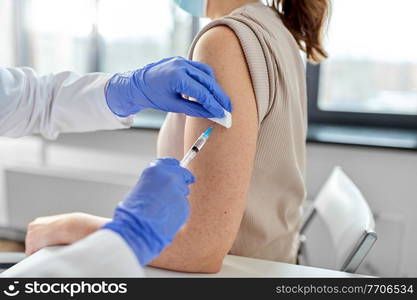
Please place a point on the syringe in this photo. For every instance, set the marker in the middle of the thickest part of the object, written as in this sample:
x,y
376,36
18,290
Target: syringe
x,y
198,145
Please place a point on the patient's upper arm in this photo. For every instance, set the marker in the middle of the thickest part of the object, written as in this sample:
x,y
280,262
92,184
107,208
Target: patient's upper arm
x,y
223,168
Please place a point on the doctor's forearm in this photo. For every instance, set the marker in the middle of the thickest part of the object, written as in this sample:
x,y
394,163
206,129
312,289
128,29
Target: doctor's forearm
x,y
102,254
53,104
80,105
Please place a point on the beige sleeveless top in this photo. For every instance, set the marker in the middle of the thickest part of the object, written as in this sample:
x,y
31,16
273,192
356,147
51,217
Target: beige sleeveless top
x,y
270,225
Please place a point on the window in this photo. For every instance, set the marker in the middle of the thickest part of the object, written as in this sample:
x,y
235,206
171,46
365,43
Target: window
x,y
371,75
6,53
94,36
102,35
58,34
140,32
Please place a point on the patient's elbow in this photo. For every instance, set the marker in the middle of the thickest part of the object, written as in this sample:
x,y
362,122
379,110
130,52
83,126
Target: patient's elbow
x,y
209,262
194,262
208,265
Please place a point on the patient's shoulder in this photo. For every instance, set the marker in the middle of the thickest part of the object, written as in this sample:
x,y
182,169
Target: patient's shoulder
x,y
219,44
220,48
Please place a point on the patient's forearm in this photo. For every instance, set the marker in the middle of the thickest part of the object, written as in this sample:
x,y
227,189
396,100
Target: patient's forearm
x,y
186,254
203,242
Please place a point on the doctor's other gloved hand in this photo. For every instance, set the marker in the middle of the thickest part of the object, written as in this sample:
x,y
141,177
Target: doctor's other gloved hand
x,y
155,209
161,86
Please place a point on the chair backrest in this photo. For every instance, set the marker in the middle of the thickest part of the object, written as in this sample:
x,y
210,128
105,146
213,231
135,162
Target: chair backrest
x,y
348,219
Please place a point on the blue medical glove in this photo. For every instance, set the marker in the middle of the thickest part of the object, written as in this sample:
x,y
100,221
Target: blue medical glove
x,y
154,210
161,86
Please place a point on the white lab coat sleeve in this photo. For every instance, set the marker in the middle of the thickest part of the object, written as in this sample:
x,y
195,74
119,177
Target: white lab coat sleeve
x,y
102,254
54,104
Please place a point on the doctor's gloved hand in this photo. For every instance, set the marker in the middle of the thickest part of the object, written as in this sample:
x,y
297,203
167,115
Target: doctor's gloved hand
x,y
161,86
154,210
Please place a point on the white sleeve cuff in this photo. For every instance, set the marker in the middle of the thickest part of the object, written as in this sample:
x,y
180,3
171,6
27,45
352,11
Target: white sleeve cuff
x,y
102,254
128,121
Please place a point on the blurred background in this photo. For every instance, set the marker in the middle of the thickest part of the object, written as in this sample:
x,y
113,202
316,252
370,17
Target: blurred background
x,y
362,110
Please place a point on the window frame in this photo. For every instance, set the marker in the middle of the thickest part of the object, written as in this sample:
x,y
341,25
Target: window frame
x,y
318,116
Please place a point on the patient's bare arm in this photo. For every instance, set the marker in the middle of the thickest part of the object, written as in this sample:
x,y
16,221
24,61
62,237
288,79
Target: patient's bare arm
x,y
223,168
60,230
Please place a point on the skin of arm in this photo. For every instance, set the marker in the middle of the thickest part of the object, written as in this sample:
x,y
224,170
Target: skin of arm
x,y
61,229
223,168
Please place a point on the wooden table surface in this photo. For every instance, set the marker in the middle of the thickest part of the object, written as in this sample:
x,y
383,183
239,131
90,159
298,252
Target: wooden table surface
x,y
11,246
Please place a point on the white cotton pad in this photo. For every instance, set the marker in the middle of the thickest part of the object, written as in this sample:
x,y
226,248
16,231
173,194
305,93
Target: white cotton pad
x,y
226,121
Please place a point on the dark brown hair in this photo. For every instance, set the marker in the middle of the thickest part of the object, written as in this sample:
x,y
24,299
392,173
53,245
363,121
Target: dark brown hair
x,y
306,20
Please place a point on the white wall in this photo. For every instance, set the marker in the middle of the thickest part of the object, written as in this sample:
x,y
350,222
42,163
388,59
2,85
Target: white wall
x,y
387,178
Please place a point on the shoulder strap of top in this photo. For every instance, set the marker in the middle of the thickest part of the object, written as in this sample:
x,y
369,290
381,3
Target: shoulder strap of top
x,y
254,54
